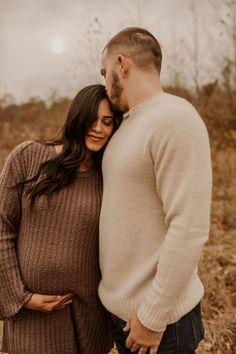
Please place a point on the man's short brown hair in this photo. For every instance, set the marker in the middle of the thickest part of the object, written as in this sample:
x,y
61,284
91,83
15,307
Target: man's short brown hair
x,y
138,44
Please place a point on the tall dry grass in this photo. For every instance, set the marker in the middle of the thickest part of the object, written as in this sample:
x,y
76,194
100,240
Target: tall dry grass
x,y
34,120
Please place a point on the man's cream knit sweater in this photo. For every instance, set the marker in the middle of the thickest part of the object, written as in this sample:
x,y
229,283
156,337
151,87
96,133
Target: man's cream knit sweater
x,y
155,212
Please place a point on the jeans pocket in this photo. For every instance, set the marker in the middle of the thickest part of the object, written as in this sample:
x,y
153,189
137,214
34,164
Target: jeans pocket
x,y
197,324
190,331
118,321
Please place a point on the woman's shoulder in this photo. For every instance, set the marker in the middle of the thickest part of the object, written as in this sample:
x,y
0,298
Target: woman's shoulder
x,y
28,148
19,148
28,154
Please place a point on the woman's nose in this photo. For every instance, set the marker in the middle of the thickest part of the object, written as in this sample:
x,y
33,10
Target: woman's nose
x,y
96,126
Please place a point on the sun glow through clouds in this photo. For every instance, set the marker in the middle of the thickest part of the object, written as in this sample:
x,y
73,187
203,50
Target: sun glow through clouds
x,y
57,45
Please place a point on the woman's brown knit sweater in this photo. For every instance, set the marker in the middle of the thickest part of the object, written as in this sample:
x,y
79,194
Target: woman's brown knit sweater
x,y
51,248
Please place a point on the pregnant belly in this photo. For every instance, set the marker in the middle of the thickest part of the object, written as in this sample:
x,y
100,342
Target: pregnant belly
x,y
59,271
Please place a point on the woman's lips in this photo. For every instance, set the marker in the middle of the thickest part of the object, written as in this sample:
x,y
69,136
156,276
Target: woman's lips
x,y
95,138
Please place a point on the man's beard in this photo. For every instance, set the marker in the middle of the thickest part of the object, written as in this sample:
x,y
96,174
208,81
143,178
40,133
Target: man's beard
x,y
116,92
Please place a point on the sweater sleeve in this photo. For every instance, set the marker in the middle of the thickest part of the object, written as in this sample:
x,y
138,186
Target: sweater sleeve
x,y
13,291
182,165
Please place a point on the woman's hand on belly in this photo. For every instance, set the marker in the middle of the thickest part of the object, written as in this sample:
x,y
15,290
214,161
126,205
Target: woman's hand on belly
x,y
48,303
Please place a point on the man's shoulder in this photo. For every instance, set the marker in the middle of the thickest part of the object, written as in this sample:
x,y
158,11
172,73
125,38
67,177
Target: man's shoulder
x,y
170,104
172,117
173,110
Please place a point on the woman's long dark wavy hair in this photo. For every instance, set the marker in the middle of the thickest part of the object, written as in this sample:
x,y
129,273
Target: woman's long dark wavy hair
x,y
61,171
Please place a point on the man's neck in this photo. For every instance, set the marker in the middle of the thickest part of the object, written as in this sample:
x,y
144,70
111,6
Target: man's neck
x,y
142,88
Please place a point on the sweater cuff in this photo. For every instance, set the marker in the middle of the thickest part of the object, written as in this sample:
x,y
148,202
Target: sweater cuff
x,y
11,310
153,315
27,298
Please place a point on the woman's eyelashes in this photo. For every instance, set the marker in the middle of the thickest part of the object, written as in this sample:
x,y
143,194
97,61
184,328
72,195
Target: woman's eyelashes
x,y
108,123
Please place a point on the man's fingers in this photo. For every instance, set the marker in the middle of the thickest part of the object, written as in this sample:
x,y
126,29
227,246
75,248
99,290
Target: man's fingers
x,y
129,342
134,347
143,350
153,350
127,326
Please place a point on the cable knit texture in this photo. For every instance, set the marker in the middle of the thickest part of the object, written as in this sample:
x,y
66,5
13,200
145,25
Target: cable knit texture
x,y
51,248
155,212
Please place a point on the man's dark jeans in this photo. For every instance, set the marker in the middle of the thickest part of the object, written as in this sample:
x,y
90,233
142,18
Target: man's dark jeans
x,y
181,337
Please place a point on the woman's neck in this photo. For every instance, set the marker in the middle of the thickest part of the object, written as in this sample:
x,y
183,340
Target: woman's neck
x,y
84,165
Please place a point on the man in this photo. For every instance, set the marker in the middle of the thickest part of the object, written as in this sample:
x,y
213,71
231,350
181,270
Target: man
x,y
156,204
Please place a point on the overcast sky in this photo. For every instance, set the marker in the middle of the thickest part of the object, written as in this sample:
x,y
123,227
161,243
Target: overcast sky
x,y
56,44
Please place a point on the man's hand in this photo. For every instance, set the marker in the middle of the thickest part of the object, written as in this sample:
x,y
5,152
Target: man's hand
x,y
48,303
141,338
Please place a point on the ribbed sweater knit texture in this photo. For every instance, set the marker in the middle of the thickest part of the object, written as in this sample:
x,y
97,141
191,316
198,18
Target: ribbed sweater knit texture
x,y
51,248
155,212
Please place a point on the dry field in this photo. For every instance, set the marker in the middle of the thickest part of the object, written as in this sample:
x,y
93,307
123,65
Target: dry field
x,y
218,263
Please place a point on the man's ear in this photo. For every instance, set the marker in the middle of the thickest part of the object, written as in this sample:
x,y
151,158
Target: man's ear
x,y
123,65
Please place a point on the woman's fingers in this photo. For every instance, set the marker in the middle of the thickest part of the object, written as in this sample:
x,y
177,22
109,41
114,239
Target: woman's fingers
x,y
68,302
66,297
51,298
48,303
62,305
57,298
64,300
58,304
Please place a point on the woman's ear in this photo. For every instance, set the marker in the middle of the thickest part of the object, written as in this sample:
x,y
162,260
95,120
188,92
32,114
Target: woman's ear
x,y
123,65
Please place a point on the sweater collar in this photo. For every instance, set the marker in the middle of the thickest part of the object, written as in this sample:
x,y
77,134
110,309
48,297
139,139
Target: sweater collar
x,y
142,106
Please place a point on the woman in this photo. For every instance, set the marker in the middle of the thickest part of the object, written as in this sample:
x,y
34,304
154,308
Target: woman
x,y
50,195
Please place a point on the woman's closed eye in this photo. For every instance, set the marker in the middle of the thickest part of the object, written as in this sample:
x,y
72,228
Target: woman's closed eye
x,y
108,121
